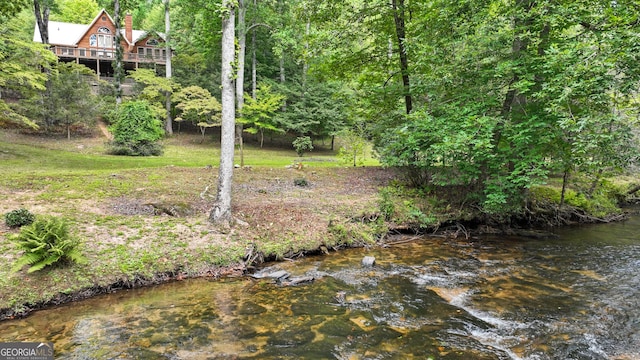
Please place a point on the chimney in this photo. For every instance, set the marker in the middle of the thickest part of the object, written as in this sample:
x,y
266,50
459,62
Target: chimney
x,y
128,31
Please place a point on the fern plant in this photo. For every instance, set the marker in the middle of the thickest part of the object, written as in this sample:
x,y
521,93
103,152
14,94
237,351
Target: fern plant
x,y
46,242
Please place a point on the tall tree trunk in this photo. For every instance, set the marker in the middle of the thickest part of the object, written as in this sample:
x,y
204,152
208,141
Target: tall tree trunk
x,y
399,19
282,71
221,212
41,10
118,71
305,64
565,178
168,124
242,42
254,72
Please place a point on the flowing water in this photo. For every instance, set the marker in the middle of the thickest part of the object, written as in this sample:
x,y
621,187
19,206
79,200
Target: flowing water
x,y
575,297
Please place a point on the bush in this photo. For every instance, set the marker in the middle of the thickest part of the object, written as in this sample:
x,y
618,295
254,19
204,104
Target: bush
x,y
136,149
136,131
302,144
18,218
302,182
46,242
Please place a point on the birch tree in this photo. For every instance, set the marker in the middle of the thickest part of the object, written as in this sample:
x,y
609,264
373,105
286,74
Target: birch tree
x,y
221,212
168,125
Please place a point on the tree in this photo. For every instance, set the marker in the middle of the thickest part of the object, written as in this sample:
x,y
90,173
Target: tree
x,y
76,11
513,92
155,89
42,10
354,149
119,72
168,126
21,73
257,114
71,97
221,212
10,8
399,17
319,111
136,130
239,77
198,106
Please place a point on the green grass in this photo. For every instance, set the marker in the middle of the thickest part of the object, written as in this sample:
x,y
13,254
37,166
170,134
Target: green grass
x,y
77,180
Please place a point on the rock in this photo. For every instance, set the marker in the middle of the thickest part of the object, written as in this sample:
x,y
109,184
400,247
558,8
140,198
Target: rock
x,y
280,275
298,280
368,261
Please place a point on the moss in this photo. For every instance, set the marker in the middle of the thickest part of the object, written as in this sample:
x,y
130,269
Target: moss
x,y
603,202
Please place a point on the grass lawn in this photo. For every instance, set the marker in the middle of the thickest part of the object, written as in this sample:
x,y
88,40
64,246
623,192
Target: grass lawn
x,y
118,208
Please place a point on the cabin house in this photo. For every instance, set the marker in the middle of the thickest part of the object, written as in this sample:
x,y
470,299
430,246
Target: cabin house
x,y
93,45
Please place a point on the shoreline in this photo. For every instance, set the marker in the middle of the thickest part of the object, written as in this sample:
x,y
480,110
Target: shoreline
x,y
243,269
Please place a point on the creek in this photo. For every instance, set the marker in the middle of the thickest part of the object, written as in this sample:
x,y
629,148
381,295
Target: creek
x,y
572,297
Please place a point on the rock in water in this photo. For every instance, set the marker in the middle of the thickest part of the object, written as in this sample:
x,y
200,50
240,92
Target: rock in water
x,y
368,261
280,275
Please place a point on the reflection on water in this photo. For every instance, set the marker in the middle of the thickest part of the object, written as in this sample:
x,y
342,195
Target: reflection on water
x,y
576,297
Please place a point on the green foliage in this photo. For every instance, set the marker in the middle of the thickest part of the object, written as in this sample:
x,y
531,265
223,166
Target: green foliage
x,y
386,204
257,114
71,99
136,130
10,8
46,242
154,90
318,109
140,148
198,106
302,182
415,216
76,11
604,201
516,92
354,150
21,73
302,144
18,218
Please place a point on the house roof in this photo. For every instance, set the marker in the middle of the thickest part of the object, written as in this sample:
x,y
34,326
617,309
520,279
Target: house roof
x,y
61,33
68,34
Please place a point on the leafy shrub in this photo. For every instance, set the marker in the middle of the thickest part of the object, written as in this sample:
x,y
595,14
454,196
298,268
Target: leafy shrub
x,y
302,182
136,130
142,148
18,218
354,150
302,144
45,242
386,204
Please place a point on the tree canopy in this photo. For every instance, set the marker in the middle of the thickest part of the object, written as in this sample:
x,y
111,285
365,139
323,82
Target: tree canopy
x,y
493,96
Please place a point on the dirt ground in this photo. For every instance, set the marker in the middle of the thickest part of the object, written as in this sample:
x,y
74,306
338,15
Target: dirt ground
x,y
156,227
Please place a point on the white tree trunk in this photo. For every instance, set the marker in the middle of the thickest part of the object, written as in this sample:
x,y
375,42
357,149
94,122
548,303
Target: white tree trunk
x,y
221,212
168,125
254,73
242,42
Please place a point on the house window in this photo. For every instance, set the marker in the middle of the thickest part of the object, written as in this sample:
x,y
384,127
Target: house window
x,y
102,39
105,41
152,42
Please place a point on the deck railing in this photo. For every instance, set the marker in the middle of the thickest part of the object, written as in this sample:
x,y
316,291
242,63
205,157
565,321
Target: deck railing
x,y
81,53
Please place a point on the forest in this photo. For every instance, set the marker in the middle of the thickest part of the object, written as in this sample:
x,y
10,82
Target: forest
x,y
481,97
